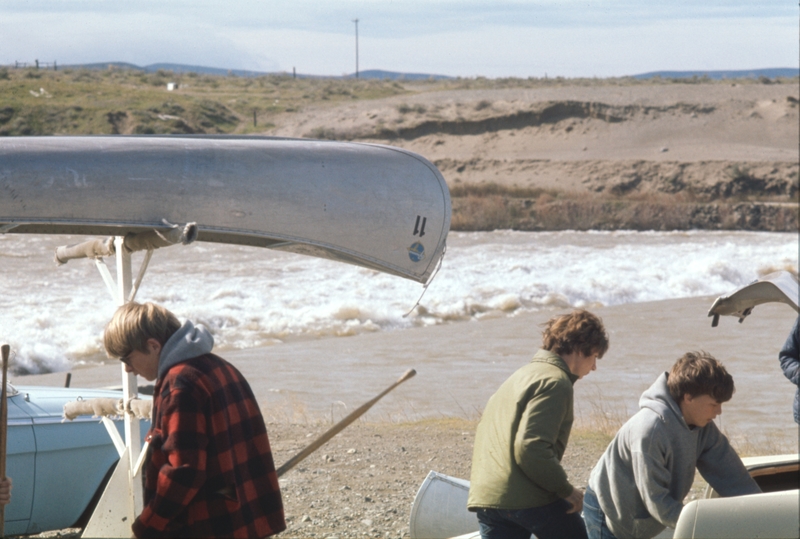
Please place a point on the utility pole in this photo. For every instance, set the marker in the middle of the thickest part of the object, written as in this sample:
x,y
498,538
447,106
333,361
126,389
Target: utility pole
x,y
356,21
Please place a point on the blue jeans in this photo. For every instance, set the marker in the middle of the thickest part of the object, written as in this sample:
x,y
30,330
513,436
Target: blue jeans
x,y
548,522
594,517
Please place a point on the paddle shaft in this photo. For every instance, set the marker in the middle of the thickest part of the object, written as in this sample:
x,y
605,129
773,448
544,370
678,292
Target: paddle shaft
x,y
4,350
340,426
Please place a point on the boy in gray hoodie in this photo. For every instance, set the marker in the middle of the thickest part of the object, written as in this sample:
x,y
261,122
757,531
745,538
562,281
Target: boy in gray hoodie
x,y
638,486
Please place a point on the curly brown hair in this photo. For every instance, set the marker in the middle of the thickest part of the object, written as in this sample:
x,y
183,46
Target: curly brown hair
x,y
699,373
579,331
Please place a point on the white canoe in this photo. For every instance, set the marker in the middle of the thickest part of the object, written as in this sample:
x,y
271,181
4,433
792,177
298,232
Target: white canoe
x,y
375,206
779,286
440,511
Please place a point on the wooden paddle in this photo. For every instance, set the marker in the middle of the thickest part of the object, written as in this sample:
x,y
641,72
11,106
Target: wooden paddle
x,y
338,427
4,350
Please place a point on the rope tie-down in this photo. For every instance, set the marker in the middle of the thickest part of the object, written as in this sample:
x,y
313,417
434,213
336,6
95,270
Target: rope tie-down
x,y
107,407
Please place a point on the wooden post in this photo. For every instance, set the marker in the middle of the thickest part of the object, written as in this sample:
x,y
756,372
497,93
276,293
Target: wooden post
x,y
254,117
3,431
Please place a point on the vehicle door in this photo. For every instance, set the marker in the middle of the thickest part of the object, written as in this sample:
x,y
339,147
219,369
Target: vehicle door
x,y
72,459
20,464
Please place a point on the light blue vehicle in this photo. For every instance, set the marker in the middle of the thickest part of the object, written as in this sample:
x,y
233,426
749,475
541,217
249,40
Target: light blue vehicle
x,y
58,468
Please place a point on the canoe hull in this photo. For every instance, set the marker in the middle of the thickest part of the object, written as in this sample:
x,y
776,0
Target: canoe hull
x,y
371,205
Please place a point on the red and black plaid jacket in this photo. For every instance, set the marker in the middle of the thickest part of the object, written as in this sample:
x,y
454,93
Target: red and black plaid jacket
x,y
209,471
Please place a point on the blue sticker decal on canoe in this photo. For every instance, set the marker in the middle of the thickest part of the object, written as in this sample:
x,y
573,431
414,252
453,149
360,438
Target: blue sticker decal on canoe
x,y
416,252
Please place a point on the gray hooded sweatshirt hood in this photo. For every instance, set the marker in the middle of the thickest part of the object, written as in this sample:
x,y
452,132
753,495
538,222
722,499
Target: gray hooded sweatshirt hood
x,y
648,469
188,342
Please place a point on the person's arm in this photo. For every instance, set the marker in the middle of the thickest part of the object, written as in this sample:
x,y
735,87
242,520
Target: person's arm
x,y
721,467
537,437
5,491
575,499
789,356
183,473
650,457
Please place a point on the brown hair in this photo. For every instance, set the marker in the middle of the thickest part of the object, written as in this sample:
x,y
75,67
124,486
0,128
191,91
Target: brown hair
x,y
579,331
134,323
699,373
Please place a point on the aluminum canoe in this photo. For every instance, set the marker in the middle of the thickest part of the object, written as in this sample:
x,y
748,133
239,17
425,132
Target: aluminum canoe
x,y
440,510
376,206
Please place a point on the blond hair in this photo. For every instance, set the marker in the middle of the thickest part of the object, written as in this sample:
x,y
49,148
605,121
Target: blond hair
x,y
133,324
579,331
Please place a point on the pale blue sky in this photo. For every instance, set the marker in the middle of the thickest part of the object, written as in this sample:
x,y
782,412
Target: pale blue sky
x,y
460,38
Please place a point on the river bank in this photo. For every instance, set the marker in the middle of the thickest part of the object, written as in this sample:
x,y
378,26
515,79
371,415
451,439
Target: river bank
x,y
504,209
669,156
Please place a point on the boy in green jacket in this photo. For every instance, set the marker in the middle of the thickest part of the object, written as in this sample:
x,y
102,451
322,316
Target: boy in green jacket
x,y
517,484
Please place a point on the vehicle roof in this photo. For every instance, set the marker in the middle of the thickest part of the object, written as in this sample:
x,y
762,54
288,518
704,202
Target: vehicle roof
x,y
52,399
769,460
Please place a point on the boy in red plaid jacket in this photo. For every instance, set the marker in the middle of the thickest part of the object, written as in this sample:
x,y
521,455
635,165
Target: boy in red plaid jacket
x,y
209,471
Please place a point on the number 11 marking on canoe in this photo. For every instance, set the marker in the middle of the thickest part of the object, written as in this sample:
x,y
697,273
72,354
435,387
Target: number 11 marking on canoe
x,y
417,229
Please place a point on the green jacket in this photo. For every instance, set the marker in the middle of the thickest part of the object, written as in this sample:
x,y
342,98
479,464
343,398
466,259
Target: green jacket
x,y
522,435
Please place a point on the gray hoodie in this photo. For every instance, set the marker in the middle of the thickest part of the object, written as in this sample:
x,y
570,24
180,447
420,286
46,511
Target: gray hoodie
x,y
648,469
188,342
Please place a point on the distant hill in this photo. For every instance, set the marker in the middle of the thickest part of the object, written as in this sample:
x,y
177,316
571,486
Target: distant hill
x,y
103,65
393,75
182,68
771,73
175,68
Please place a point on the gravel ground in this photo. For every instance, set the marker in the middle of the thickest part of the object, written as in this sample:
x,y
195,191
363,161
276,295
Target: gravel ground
x,y
363,482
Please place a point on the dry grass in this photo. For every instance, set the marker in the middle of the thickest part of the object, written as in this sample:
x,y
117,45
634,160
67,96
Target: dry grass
x,y
752,444
493,189
603,421
116,101
483,83
81,101
487,207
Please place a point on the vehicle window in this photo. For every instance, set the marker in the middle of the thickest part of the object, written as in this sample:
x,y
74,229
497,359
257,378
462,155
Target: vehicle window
x,y
780,480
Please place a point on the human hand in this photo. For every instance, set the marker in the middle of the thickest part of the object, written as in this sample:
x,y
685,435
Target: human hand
x,y
5,491
576,500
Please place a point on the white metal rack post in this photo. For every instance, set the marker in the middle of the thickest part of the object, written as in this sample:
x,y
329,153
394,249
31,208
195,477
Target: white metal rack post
x,y
130,388
123,497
